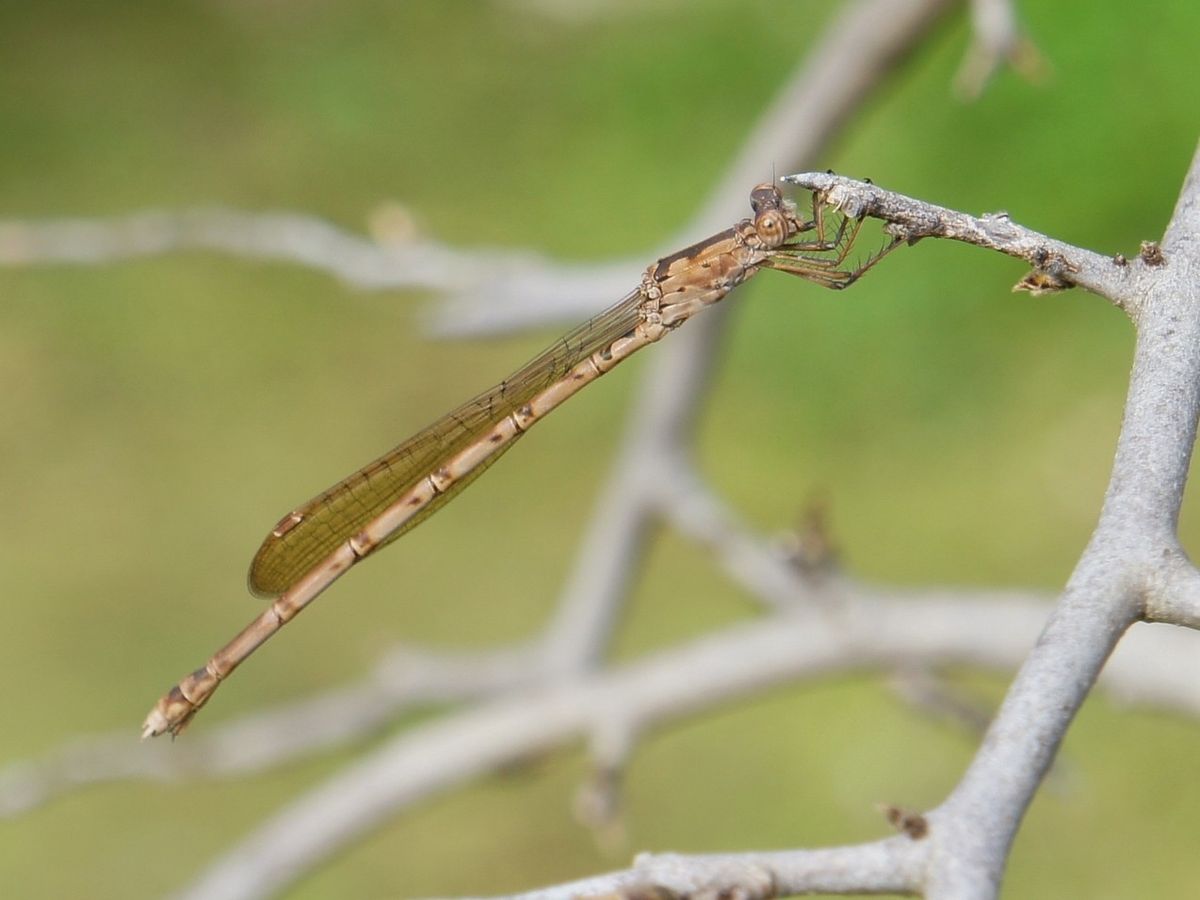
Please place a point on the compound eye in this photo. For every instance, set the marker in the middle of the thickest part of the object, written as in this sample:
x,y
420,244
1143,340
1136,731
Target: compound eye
x,y
764,197
770,228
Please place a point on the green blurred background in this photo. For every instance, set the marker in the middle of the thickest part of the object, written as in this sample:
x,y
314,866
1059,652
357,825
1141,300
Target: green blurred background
x,y
155,416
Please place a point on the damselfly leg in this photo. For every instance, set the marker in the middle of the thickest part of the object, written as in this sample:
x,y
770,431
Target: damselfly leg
x,y
804,259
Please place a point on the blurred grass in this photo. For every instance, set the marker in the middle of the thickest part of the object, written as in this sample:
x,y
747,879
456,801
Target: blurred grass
x,y
157,416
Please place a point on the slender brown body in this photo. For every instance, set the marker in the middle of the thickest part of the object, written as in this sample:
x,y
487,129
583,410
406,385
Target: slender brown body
x,y
316,543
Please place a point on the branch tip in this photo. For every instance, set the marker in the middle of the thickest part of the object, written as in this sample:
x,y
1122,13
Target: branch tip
x,y
1057,265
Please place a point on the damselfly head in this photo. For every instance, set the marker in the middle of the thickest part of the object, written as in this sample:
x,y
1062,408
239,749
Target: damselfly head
x,y
765,196
774,217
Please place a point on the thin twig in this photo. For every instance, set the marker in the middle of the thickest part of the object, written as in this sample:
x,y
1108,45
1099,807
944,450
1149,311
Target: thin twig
x,y
997,39
394,261
1061,265
892,865
404,679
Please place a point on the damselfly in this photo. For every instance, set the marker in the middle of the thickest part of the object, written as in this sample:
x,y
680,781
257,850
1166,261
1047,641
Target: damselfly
x,y
314,544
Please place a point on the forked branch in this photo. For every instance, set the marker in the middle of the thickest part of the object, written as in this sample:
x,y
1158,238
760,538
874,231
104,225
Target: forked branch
x,y
1132,568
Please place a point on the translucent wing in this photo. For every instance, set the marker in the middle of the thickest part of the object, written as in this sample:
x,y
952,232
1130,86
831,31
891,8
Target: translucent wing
x,y
331,518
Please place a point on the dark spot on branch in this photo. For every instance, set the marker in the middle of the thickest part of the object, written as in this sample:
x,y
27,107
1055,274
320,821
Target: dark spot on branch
x,y
1151,253
1041,281
913,824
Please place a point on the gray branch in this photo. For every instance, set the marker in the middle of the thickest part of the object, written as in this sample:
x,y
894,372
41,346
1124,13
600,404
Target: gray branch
x,y
1056,265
